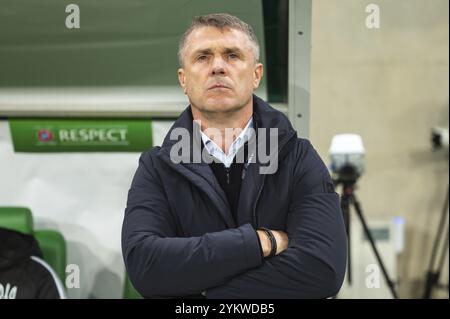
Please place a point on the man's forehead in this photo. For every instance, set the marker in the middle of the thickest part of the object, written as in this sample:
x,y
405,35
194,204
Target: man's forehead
x,y
211,38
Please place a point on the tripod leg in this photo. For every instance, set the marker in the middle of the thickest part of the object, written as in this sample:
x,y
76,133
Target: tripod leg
x,y
345,207
374,248
433,276
443,254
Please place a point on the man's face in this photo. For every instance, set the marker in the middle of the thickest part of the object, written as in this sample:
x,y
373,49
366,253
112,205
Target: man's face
x,y
219,73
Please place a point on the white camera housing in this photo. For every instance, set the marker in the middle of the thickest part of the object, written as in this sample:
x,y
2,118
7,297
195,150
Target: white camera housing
x,y
347,150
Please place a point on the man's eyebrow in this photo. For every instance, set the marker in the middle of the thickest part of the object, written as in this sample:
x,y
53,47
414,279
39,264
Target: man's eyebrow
x,y
234,50
226,50
202,51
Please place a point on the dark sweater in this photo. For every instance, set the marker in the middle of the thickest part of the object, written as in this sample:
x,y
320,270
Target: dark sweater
x,y
230,179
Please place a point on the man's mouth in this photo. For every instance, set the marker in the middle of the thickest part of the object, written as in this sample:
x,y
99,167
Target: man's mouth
x,y
218,86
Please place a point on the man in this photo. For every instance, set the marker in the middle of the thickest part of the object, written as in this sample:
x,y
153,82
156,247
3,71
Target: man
x,y
226,228
23,272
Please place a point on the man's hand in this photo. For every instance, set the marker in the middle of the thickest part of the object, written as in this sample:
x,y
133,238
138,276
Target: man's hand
x,y
280,237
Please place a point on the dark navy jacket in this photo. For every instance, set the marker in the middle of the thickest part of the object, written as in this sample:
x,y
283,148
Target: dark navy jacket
x,y
179,237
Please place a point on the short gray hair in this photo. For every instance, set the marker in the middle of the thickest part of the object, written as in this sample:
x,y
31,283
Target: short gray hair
x,y
220,21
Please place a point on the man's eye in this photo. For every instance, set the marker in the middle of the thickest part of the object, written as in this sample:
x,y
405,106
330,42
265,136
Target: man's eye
x,y
202,58
233,55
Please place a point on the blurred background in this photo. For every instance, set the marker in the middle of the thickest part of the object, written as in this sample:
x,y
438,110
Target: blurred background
x,y
86,86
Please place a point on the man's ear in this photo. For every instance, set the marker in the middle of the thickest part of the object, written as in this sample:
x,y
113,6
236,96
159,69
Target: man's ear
x,y
258,74
182,79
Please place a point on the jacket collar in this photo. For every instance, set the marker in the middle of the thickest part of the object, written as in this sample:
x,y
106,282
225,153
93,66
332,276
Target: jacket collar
x,y
263,114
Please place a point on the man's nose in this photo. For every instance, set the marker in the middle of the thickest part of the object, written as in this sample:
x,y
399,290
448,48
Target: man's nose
x,y
219,67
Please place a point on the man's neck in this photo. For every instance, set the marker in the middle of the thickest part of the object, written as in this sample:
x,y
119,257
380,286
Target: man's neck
x,y
221,121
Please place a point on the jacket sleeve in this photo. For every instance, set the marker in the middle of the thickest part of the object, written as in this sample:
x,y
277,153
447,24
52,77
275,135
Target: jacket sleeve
x,y
313,265
159,263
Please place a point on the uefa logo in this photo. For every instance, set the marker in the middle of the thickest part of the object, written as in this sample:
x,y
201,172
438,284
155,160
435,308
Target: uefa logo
x,y
45,135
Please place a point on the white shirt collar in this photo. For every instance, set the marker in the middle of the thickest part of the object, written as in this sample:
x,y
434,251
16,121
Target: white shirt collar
x,y
217,152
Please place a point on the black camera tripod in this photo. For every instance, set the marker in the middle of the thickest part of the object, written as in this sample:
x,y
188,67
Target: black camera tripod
x,y
348,176
433,273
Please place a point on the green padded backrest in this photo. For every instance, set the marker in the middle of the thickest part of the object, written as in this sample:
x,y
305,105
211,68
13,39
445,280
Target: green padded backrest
x,y
53,246
129,292
16,218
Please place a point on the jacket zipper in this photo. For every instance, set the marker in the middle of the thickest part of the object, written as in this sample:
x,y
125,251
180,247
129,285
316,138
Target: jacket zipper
x,y
227,169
